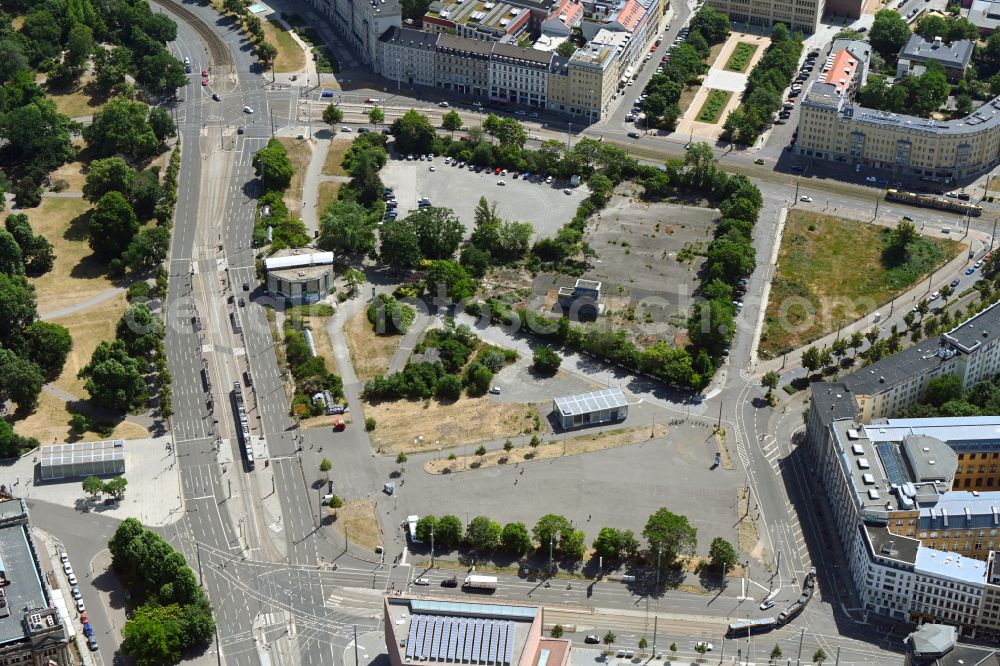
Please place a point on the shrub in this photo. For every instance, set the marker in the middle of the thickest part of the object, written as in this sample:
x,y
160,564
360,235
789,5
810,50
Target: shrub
x,y
370,424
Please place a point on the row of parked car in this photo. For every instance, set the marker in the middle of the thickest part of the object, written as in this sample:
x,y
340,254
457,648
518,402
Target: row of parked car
x,y
88,631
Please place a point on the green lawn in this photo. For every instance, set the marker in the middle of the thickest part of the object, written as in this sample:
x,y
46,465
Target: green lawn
x,y
714,104
830,273
741,57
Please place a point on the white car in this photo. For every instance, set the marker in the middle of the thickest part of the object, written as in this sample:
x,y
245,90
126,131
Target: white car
x,y
421,581
447,160
67,567
64,557
568,191
80,607
76,593
870,179
501,183
495,390
247,109
548,180
71,578
432,168
805,198
769,603
443,105
708,646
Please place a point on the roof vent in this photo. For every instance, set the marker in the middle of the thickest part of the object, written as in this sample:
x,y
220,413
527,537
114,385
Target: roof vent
x,y
302,274
881,380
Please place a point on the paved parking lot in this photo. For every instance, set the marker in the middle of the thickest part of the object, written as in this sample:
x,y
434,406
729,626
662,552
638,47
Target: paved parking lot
x,y
547,207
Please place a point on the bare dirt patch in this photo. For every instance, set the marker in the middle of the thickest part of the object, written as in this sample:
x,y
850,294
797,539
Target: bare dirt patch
x,y
300,152
335,156
466,421
370,353
73,174
50,423
746,526
76,274
291,57
88,328
588,443
357,520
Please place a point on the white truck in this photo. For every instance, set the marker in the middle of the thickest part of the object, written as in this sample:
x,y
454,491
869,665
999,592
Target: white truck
x,y
480,582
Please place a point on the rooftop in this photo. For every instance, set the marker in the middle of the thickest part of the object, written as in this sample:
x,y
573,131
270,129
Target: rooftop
x,y
628,15
586,403
953,566
529,56
955,55
843,71
887,545
833,401
451,632
961,509
82,452
930,459
985,14
962,433
448,42
863,463
297,257
25,588
932,640
408,37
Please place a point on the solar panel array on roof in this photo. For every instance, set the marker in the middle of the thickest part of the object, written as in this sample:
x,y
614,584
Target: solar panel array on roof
x,y
460,640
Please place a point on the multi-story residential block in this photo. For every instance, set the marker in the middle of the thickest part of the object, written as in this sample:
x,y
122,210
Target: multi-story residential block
x,y
563,17
408,56
519,75
832,127
361,23
463,65
584,87
33,618
954,58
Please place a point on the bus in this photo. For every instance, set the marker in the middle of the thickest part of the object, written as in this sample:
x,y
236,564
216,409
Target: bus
x,y
932,201
747,627
242,426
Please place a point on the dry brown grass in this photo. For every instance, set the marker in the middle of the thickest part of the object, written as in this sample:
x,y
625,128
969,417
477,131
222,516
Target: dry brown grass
x,y
687,96
335,155
357,518
88,328
79,99
73,174
300,152
324,348
713,52
50,423
746,527
327,195
291,57
76,275
370,353
597,441
444,425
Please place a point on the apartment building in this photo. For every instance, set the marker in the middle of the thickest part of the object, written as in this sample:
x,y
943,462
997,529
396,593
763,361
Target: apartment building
x,y
408,56
519,75
463,65
33,619
970,351
583,86
832,127
488,21
361,23
563,17
953,57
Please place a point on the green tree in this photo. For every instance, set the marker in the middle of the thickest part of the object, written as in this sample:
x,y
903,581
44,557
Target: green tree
x,y
346,227
332,114
110,174
376,116
811,359
770,380
47,346
643,644
113,224
37,135
712,24
819,656
162,124
545,360
557,631
566,49
515,539
11,258
670,533
888,34
451,122
139,330
399,246
147,249
449,388
35,250
449,279
722,554
273,166
79,45
116,487
325,466
93,486
111,66
775,652
942,389
413,133
115,379
160,73
401,461
425,526
609,639
615,544
483,534
20,381
335,502
477,379
839,348
153,636
120,127
438,231
448,532
17,308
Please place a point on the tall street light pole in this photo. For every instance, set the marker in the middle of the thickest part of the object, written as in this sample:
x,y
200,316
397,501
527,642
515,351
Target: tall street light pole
x,y
550,555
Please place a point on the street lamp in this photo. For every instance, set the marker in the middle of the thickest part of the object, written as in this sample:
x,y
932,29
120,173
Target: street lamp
x,y
550,554
658,551
432,544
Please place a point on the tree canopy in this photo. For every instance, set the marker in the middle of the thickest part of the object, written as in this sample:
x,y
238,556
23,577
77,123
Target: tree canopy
x,y
273,166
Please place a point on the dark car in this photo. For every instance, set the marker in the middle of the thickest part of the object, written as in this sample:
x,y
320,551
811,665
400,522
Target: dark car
x,y
239,130
593,639
634,135
954,283
450,582
246,286
88,630
362,130
92,644
216,97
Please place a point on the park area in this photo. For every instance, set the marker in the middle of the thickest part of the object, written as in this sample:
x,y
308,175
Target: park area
x,y
739,60
833,271
715,102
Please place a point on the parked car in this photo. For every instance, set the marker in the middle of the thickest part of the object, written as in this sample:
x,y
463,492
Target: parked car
x,y
80,607
954,283
970,270
768,603
67,567
806,198
450,582
592,639
634,135
71,578
870,179
422,581
92,644
247,109
76,593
